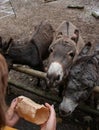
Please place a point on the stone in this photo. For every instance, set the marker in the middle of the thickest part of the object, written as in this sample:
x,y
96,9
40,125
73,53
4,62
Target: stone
x,y
95,14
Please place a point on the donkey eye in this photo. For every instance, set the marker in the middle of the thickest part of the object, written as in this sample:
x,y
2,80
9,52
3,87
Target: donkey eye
x,y
50,49
72,54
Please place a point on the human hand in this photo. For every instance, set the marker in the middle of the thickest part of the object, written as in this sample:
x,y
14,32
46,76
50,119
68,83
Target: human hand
x,y
51,122
11,116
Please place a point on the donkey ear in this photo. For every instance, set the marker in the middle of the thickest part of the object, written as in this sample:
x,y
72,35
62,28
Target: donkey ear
x,y
0,42
86,50
75,36
10,40
7,44
0,39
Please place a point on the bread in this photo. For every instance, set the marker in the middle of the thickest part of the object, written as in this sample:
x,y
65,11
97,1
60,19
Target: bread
x,y
31,111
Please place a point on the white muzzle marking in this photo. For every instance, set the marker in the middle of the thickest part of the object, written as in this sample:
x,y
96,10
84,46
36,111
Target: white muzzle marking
x,y
56,68
68,105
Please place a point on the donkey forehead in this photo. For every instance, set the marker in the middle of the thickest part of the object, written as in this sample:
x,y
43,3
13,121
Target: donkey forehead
x,y
66,44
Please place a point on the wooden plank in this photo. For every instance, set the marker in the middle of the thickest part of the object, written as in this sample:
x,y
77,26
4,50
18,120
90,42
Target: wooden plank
x,y
35,90
29,71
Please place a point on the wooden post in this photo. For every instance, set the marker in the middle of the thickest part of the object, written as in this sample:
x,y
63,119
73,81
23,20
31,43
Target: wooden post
x,y
29,71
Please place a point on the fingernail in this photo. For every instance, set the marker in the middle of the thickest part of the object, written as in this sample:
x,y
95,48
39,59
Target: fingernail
x,y
14,100
53,105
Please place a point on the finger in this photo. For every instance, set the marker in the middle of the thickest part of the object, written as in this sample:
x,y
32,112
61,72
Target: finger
x,y
13,103
47,105
51,107
53,113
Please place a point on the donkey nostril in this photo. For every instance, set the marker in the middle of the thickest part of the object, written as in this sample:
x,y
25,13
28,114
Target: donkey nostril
x,y
64,114
57,77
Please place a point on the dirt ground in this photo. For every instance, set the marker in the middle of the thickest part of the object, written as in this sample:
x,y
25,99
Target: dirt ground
x,y
29,13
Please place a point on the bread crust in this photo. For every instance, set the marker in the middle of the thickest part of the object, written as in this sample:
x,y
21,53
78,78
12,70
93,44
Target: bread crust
x,y
32,111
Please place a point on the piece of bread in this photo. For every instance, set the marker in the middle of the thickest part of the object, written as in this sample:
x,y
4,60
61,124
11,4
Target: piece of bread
x,y
31,111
